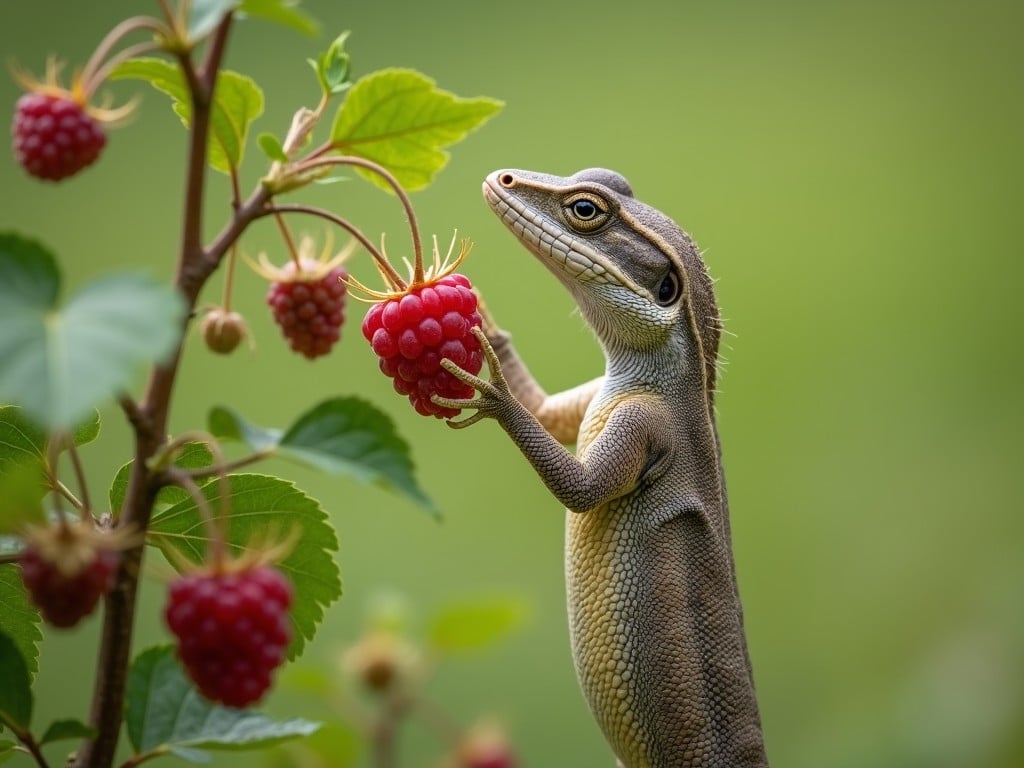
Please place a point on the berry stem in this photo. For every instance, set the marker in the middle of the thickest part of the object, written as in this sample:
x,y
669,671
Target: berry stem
x,y
218,546
288,240
229,278
83,486
403,196
94,71
52,457
383,264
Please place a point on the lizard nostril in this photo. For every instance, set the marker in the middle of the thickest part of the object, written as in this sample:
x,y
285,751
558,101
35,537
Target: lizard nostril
x,y
507,180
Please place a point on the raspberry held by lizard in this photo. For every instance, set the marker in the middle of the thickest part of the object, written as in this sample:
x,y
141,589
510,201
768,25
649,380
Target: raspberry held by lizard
x,y
420,322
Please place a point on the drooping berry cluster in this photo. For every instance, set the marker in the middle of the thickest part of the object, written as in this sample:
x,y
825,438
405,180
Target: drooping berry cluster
x,y
413,332
66,573
54,136
233,630
309,306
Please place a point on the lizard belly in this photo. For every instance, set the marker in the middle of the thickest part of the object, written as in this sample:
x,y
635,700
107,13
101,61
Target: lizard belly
x,y
659,659
605,645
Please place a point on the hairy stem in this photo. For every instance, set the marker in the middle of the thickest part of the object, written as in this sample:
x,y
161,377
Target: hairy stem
x,y
149,422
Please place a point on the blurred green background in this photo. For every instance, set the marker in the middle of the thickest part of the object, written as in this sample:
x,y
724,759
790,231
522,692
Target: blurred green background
x,y
854,171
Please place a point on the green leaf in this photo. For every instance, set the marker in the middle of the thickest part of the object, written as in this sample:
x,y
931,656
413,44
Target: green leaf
x,y
281,12
204,15
60,364
470,625
272,148
228,425
332,67
29,275
400,119
7,750
61,730
191,456
19,619
23,448
16,691
344,435
262,506
164,712
237,102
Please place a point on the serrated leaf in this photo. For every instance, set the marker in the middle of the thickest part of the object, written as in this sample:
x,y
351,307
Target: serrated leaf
x,y
344,435
19,619
191,456
261,505
60,730
204,15
16,691
22,440
58,364
400,119
466,626
332,67
281,12
272,148
164,712
237,102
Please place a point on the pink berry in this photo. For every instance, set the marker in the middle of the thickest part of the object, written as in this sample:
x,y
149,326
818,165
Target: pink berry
x,y
65,576
309,311
413,332
54,137
233,631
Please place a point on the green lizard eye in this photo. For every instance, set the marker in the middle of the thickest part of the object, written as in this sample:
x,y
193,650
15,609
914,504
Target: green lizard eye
x,y
585,212
670,289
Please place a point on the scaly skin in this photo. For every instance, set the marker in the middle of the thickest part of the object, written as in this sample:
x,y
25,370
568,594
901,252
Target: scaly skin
x,y
654,611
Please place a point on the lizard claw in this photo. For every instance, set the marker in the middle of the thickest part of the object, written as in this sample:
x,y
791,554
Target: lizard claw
x,y
494,394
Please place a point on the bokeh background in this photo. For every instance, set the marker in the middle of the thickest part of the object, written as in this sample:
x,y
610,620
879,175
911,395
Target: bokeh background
x,y
853,171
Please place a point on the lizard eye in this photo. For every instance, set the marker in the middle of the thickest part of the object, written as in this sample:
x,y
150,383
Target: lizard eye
x,y
585,212
670,289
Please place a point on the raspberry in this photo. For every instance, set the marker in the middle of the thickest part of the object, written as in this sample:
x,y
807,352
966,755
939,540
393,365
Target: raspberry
x,y
411,333
307,295
54,137
66,569
232,629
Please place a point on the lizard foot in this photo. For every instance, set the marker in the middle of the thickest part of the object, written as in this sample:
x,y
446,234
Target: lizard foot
x,y
494,395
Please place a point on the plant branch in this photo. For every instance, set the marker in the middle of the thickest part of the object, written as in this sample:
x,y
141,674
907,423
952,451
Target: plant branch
x,y
10,557
353,230
94,70
64,491
231,466
149,422
31,747
399,190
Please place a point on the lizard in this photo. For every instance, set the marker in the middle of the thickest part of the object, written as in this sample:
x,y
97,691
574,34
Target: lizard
x,y
655,620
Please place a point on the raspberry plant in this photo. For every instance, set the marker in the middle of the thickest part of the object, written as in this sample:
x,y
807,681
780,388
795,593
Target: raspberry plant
x,y
254,554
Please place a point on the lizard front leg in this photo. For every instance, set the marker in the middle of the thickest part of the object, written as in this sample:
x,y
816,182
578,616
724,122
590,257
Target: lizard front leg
x,y
613,462
560,413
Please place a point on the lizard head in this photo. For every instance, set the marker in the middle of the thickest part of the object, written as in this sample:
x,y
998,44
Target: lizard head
x,y
638,278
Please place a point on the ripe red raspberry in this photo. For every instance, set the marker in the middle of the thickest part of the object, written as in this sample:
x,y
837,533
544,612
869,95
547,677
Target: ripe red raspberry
x,y
413,332
66,570
54,136
232,629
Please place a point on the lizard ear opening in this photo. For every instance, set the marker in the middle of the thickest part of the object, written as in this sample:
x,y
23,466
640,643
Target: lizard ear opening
x,y
670,290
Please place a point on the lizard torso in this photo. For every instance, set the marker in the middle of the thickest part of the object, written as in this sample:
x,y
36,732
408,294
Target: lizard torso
x,y
654,611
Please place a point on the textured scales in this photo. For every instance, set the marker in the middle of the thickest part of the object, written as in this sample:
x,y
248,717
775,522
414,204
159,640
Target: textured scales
x,y
654,612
